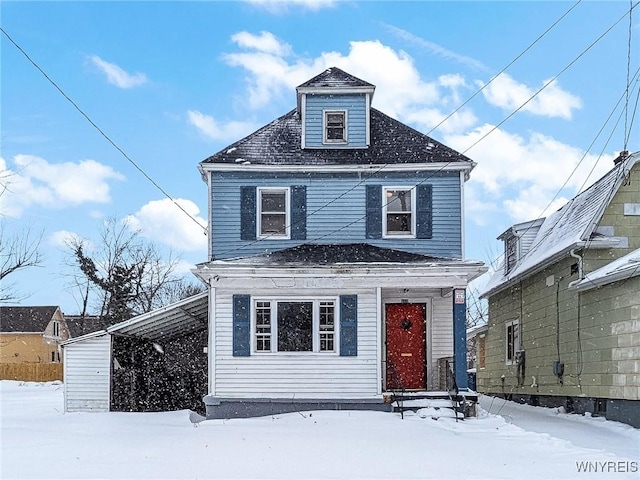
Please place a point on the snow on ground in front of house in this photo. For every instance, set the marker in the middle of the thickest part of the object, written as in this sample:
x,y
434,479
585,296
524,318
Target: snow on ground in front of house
x,y
39,441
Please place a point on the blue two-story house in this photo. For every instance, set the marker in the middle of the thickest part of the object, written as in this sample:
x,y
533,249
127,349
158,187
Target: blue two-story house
x,y
336,266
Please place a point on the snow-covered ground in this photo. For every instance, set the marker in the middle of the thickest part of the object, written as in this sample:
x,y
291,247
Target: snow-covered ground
x,y
38,440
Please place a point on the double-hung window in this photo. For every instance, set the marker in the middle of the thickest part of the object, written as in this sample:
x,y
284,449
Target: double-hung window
x,y
399,211
294,325
512,343
335,126
56,329
274,211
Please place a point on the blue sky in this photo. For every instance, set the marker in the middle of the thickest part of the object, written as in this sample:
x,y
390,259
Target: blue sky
x,y
174,82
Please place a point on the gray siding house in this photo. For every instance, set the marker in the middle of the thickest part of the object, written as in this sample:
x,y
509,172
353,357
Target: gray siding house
x,y
564,308
336,270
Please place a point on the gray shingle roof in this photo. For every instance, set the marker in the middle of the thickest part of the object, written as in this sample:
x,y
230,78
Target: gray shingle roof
x,y
392,142
25,319
334,77
329,254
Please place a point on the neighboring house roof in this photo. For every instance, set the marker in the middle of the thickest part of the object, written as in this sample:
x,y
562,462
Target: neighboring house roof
x,y
392,142
25,319
335,78
572,226
81,325
621,269
329,254
477,330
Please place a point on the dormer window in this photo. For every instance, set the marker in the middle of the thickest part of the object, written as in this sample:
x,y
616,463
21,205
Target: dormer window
x,y
510,253
335,126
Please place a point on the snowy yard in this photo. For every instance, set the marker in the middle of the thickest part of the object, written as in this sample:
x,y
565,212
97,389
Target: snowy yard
x,y
40,441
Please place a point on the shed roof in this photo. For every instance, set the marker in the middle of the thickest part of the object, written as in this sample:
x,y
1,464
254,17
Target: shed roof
x,y
26,319
392,142
180,318
570,227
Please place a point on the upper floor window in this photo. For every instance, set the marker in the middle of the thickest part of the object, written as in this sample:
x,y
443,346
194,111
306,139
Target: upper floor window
x,y
273,214
56,329
294,326
399,208
510,253
335,126
512,344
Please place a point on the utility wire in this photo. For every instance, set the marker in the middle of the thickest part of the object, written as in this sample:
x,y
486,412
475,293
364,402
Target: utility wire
x,y
549,82
153,182
505,68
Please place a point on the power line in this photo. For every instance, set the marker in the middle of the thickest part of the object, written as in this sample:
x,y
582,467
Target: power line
x,y
93,124
549,82
505,68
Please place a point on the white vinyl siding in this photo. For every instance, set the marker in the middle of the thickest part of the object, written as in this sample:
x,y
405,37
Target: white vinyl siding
x,y
303,375
87,375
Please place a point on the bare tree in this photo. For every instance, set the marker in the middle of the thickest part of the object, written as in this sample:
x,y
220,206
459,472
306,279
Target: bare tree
x,y
123,275
18,251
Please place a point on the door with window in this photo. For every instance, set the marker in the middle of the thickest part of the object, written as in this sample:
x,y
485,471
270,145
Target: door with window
x,y
406,346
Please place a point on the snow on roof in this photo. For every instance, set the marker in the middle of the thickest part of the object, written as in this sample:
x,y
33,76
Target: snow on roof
x,y
569,227
620,269
392,142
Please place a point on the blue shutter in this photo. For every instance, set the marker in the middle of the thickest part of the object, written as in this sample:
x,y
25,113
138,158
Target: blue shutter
x,y
247,213
348,325
424,213
374,211
298,212
241,325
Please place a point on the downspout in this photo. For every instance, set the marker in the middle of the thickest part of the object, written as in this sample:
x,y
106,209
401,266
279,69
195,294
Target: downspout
x,y
575,255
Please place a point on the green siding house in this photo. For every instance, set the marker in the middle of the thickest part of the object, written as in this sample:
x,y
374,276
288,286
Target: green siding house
x,y
564,308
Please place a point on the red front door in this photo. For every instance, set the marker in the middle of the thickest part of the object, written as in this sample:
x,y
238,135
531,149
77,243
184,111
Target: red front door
x,y
405,346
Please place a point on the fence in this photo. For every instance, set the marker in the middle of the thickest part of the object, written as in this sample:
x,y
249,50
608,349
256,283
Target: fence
x,y
31,372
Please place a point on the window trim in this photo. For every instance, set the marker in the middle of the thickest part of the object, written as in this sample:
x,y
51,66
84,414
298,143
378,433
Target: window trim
x,y
482,351
287,212
517,346
316,301
385,212
325,127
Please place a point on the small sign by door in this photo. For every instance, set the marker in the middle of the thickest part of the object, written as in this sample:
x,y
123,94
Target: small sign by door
x,y
459,296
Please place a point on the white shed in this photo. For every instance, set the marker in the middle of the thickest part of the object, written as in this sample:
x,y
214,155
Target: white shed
x,y
87,373
89,360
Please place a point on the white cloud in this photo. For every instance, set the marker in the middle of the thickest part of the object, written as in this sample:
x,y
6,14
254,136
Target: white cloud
x,y
163,221
36,182
552,101
116,75
62,238
521,176
282,6
265,42
211,128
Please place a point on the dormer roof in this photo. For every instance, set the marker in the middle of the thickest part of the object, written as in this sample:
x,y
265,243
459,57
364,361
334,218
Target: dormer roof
x,y
336,81
335,78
